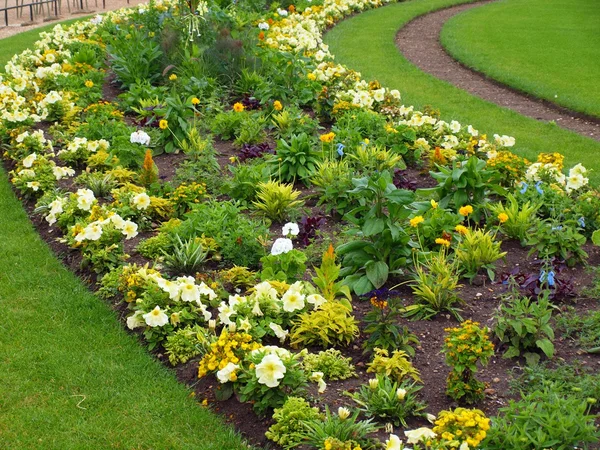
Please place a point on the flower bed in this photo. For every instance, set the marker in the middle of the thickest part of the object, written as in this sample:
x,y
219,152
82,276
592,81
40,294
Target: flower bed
x,y
295,237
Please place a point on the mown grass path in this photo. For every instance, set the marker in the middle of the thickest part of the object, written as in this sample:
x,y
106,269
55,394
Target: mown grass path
x,y
70,376
366,42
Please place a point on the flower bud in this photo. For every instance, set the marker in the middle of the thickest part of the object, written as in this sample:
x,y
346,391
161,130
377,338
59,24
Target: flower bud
x,y
373,383
212,324
401,393
343,412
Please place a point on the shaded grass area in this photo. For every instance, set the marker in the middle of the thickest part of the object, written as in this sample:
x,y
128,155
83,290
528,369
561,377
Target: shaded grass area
x,y
71,377
548,48
366,43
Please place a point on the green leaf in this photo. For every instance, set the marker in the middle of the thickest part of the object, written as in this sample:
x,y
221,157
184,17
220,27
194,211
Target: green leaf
x,y
224,392
373,226
596,237
546,346
362,286
377,273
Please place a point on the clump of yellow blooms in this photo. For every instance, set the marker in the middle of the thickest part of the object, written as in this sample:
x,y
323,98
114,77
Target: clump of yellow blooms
x,y
511,167
462,425
415,221
229,348
133,281
465,210
186,194
461,229
556,159
335,444
442,241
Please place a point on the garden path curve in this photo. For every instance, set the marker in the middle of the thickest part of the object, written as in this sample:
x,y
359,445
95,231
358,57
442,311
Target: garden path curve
x,y
419,42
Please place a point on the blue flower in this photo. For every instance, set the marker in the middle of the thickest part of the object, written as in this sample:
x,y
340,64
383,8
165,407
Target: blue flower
x,y
524,187
340,149
551,278
557,228
538,188
581,222
542,277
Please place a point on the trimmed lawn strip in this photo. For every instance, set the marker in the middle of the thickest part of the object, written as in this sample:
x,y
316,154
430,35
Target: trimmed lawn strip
x,y
71,376
548,48
366,43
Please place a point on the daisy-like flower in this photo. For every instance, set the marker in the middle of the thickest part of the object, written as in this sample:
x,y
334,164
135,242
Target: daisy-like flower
x,y
163,124
141,201
502,217
277,106
238,107
465,210
270,371
461,229
156,318
195,101
444,242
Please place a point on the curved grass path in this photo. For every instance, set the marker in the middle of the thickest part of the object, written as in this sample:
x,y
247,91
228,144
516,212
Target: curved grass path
x,y
366,43
549,48
70,375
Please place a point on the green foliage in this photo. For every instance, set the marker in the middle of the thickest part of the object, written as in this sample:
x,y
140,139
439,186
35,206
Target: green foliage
x,y
244,180
289,266
553,238
389,400
330,325
187,343
381,245
277,201
465,347
185,256
434,287
264,397
383,330
326,277
542,420
246,127
478,250
287,431
236,235
331,362
292,121
584,328
373,159
571,379
397,366
296,159
334,428
525,326
333,180
466,183
99,183
521,217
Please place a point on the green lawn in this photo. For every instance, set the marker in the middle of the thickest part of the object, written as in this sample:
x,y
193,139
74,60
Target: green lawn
x,y
71,377
549,48
366,43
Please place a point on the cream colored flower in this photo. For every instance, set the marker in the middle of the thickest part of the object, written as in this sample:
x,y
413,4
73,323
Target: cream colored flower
x,y
129,229
270,370
135,320
227,373
141,201
393,443
316,300
188,290
373,383
156,317
293,300
279,331
343,412
419,435
317,377
400,394
28,161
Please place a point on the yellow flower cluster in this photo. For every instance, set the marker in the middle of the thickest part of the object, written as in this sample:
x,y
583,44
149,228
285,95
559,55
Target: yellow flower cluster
x,y
465,210
335,444
229,348
188,193
512,167
415,221
468,339
556,159
462,425
133,279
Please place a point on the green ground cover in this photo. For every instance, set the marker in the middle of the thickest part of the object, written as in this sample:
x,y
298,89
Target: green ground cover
x,y
549,48
71,376
366,43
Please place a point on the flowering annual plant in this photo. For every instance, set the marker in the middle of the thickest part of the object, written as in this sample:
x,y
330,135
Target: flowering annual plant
x,y
465,347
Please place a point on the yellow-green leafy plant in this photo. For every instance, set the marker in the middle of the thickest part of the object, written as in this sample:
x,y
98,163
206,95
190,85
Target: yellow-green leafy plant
x,y
398,367
289,421
276,200
466,346
327,275
331,362
477,250
434,287
239,277
330,325
187,343
375,158
515,219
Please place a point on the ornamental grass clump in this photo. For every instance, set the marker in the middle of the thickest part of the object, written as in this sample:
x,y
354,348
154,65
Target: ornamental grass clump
x,y
466,346
277,201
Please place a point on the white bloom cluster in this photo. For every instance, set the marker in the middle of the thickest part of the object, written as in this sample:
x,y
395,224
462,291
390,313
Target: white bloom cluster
x,y
94,230
140,137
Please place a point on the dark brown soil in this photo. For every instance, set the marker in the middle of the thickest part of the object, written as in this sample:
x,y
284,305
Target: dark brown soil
x,y
419,42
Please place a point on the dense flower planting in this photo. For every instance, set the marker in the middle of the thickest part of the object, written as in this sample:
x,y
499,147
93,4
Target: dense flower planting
x,y
244,196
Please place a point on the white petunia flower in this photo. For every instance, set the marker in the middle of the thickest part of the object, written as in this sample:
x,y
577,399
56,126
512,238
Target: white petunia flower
x,y
141,201
85,199
317,377
393,443
189,290
316,300
28,161
279,332
293,300
156,318
129,229
135,320
227,373
270,370
419,435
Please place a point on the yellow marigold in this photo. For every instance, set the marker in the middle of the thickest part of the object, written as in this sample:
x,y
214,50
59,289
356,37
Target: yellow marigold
x,y
163,124
195,101
311,76
415,221
329,137
461,229
444,242
277,106
465,210
89,83
172,77
502,217
238,107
